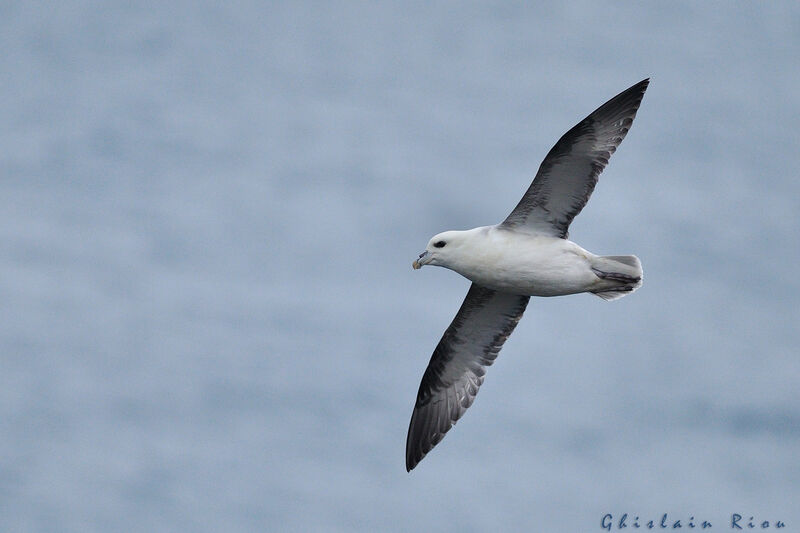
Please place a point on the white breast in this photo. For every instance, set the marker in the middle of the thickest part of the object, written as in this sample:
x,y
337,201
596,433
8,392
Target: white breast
x,y
519,263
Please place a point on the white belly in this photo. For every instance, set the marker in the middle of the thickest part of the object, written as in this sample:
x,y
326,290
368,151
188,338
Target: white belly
x,y
530,265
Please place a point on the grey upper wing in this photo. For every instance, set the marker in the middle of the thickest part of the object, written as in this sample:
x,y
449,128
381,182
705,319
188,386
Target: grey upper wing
x,y
456,369
568,174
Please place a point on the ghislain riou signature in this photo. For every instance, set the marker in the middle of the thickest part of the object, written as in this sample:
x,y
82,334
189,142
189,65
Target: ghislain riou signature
x,y
736,521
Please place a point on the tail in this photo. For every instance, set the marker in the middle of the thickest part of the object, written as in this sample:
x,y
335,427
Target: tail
x,y
618,275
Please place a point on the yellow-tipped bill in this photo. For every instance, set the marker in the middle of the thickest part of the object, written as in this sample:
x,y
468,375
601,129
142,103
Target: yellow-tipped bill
x,y
420,261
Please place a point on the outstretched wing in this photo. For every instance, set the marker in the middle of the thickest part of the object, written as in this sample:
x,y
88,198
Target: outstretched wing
x,y
568,174
457,367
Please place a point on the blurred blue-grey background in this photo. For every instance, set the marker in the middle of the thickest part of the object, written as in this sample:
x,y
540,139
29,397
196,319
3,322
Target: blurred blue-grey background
x,y
208,317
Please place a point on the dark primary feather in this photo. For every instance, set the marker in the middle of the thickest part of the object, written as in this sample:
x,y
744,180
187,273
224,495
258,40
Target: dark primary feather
x,y
567,176
457,366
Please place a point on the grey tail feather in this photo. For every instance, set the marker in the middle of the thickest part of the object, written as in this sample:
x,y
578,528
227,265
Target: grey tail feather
x,y
623,272
630,260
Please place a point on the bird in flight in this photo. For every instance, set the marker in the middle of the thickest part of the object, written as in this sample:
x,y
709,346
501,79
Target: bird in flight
x,y
528,254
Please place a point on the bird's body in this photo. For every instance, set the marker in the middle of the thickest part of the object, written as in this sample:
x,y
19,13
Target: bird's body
x,y
526,255
521,263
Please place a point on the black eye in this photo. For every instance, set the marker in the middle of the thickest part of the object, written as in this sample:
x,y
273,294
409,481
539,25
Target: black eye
x,y
439,244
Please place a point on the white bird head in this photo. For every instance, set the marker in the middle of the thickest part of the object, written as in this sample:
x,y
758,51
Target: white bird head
x,y
445,249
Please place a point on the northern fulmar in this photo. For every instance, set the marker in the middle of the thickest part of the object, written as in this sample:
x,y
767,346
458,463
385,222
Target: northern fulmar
x,y
528,254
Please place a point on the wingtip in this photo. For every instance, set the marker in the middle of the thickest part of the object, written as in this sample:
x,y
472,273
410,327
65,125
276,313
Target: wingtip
x,y
413,457
633,95
639,87
411,463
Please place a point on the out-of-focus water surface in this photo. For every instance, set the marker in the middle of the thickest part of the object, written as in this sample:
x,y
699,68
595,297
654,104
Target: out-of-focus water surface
x,y
208,317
